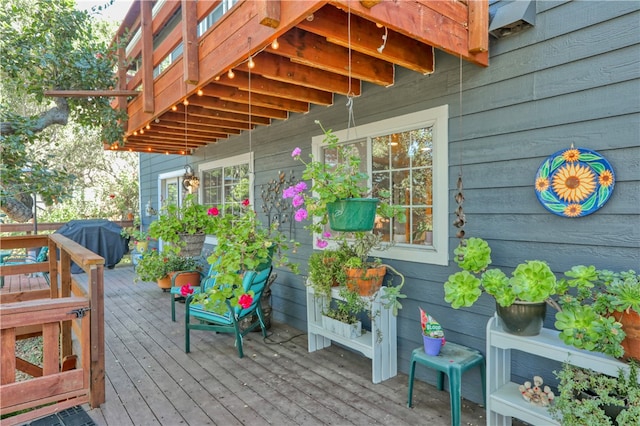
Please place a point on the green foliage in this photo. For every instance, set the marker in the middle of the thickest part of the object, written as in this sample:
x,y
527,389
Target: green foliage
x,y
154,265
473,255
188,218
586,397
46,45
531,281
585,320
243,244
326,268
347,308
340,180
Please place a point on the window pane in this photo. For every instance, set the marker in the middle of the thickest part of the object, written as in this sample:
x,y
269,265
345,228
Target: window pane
x,y
421,146
212,187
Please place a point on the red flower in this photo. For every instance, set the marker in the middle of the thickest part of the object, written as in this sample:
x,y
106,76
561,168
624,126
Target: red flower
x,y
245,202
213,211
112,196
186,290
245,300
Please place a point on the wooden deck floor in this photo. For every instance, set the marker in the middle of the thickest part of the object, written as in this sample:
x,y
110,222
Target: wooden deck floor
x,y
150,380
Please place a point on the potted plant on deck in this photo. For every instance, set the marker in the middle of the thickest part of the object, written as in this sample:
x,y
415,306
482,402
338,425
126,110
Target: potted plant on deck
x,y
340,316
156,266
183,227
326,268
521,299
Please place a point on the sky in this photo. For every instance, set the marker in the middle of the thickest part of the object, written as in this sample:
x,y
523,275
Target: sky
x,y
115,12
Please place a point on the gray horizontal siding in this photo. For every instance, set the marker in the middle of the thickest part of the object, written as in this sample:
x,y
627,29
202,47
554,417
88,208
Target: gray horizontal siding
x,y
574,78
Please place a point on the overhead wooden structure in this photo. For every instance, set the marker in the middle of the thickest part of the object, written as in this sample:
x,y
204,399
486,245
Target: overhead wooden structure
x,y
263,59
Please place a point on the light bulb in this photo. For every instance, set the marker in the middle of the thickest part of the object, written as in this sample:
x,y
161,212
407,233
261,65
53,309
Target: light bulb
x,y
142,131
148,126
275,44
185,102
135,133
230,74
217,78
251,64
174,108
200,92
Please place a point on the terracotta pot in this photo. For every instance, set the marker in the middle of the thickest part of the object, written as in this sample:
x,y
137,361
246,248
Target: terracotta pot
x,y
164,283
631,325
365,282
188,277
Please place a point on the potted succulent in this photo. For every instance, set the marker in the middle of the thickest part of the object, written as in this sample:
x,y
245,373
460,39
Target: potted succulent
x,y
602,315
521,299
243,244
183,227
587,397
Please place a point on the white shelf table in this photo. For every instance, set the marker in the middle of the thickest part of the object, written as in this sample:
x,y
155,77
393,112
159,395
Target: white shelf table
x,y
504,400
379,345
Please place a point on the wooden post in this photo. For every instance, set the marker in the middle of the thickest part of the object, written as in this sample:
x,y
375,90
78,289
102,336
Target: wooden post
x,y
96,294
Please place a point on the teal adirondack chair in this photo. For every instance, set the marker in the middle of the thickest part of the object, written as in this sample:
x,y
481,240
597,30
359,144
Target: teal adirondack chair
x,y
230,321
206,281
43,256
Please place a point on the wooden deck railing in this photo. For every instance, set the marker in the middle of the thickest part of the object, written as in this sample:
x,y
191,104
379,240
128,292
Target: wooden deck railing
x,y
70,319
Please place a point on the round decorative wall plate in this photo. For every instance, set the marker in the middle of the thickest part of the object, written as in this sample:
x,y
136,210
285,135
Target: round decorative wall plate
x,y
574,182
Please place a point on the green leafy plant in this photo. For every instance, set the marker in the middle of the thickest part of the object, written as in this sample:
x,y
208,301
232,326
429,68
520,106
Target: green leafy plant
x,y
587,318
154,265
189,218
243,244
531,281
326,268
347,308
332,182
587,397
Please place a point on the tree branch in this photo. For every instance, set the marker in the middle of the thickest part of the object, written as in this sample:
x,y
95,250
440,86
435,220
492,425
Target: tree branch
x,y
58,114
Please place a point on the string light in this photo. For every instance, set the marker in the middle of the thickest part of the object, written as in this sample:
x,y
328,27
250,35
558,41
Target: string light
x,y
142,131
230,74
217,78
135,133
174,108
275,44
251,64
200,92
185,102
148,126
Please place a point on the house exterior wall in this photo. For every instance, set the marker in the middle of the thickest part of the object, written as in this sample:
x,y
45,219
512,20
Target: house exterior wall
x,y
573,78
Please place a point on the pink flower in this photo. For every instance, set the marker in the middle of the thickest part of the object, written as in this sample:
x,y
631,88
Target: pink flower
x,y
186,290
326,234
296,152
289,192
301,186
213,211
300,215
321,243
245,300
298,200
245,202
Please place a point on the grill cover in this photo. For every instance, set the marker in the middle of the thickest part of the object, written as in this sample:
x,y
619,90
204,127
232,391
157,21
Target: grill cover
x,y
98,235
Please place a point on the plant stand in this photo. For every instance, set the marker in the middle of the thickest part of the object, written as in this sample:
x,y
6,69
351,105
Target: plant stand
x,y
380,345
504,399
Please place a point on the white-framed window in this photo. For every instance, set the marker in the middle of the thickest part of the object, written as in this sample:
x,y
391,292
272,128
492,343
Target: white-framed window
x,y
226,182
408,156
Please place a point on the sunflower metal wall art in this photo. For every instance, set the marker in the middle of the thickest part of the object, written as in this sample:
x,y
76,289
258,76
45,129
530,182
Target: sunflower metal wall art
x,y
574,182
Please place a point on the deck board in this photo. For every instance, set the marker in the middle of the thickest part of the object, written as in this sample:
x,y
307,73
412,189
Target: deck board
x,y
152,381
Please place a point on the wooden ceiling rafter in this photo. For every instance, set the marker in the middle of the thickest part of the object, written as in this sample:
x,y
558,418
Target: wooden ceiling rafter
x,y
310,66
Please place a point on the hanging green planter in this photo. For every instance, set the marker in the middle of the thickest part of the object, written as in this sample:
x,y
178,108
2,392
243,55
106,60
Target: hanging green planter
x,y
352,214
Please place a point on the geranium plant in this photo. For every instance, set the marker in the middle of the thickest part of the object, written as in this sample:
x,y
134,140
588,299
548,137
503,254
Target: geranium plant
x,y
189,218
243,244
332,182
